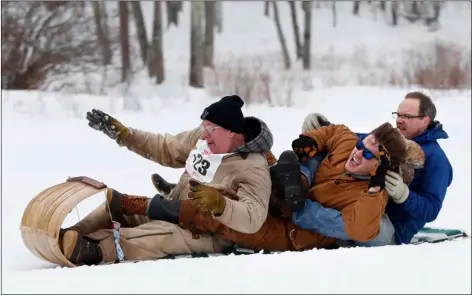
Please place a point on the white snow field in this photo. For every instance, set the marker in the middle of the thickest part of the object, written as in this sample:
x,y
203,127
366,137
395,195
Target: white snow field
x,y
45,139
42,150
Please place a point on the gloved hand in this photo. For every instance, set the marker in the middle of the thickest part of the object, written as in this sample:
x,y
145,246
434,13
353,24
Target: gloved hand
x,y
305,147
396,188
101,121
377,178
206,197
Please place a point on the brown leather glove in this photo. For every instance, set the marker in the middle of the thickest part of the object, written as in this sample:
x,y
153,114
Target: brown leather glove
x,y
207,198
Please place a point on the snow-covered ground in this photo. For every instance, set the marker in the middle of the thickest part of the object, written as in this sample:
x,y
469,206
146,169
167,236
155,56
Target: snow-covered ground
x,y
40,150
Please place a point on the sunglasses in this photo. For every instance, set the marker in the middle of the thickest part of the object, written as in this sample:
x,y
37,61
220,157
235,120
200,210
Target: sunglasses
x,y
366,153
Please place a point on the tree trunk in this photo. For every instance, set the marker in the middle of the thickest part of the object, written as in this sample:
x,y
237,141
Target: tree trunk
x,y
140,29
196,44
335,16
307,36
382,5
156,58
209,32
355,8
281,36
219,15
436,13
102,39
173,9
296,30
266,8
414,8
106,39
124,39
394,12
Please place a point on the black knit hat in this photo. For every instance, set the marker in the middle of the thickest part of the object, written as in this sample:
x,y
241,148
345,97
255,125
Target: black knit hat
x,y
226,113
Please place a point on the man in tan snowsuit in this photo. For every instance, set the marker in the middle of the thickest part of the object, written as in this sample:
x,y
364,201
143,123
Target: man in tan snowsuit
x,y
228,152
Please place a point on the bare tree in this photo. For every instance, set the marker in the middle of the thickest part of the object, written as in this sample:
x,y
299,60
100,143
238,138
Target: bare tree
x,y
156,56
101,29
281,36
307,35
124,40
219,16
383,5
196,44
209,32
173,9
266,8
436,13
394,12
296,30
106,27
335,16
355,8
41,43
140,29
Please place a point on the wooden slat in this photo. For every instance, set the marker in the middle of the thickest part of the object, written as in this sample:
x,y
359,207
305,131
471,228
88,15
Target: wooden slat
x,y
26,217
66,198
46,212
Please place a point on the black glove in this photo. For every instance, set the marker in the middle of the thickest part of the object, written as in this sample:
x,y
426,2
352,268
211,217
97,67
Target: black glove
x,y
377,178
101,121
305,147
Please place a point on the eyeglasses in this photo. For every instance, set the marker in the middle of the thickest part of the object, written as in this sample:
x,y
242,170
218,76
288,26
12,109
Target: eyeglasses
x,y
396,115
366,153
208,129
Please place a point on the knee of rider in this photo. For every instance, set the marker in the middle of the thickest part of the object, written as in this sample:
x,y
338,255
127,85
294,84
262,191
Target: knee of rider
x,y
307,173
163,209
310,167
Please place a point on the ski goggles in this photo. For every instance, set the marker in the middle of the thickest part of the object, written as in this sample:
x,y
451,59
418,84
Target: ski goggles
x,y
366,153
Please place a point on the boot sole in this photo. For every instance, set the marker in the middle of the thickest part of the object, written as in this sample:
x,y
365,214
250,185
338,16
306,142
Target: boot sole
x,y
288,177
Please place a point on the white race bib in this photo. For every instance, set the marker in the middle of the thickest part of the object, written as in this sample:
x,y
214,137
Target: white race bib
x,y
202,164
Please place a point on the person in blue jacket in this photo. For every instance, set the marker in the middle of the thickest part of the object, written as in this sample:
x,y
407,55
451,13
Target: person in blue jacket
x,y
409,207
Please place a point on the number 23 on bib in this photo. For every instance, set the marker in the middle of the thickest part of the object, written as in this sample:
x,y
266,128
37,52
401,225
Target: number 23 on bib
x,y
202,164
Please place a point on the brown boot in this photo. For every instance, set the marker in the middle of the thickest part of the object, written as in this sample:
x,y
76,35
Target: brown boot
x,y
127,204
79,249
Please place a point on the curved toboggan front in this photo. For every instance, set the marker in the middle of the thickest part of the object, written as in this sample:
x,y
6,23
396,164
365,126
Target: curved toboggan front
x,y
46,212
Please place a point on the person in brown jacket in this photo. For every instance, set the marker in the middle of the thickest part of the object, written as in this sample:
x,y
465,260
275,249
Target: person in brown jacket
x,y
228,153
330,221
351,180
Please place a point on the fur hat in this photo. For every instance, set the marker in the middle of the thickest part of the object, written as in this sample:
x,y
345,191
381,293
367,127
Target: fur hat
x,y
414,159
394,143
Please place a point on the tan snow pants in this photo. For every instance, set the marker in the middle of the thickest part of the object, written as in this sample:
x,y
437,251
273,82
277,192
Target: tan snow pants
x,y
144,239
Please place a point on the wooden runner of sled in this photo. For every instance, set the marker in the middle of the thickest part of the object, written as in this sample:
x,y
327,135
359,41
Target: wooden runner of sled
x,y
46,212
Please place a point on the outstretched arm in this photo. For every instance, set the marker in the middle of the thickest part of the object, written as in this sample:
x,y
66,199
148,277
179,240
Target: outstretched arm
x,y
165,149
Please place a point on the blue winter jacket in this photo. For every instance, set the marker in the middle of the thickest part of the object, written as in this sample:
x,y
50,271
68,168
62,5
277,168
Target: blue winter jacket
x,y
427,192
